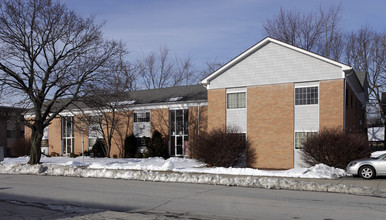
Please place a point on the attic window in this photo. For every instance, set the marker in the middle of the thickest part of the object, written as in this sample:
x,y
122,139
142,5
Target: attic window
x,y
174,99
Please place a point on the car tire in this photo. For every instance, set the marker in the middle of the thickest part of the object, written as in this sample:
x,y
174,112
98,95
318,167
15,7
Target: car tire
x,y
367,172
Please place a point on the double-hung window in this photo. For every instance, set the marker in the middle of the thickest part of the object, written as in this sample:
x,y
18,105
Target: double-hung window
x,y
236,100
306,95
141,116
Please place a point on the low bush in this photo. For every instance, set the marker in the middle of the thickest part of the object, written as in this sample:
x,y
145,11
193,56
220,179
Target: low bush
x,y
223,148
97,148
130,146
157,146
335,148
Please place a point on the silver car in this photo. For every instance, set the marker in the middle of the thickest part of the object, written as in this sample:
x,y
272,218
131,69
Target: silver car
x,y
368,168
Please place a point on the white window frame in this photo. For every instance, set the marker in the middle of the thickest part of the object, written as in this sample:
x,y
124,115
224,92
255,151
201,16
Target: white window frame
x,y
68,140
308,99
308,133
241,104
141,116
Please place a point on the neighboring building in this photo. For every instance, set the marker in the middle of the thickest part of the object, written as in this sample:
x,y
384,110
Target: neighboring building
x,y
376,131
277,94
11,128
274,93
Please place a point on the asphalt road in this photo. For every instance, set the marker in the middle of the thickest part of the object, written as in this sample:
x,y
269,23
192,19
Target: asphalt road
x,y
29,196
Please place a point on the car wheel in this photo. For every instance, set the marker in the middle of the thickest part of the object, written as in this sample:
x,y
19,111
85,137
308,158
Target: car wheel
x,y
367,172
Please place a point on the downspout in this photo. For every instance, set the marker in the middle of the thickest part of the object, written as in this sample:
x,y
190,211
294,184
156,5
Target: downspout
x,y
344,105
198,126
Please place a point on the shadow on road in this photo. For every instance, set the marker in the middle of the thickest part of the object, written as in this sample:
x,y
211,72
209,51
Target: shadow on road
x,y
26,207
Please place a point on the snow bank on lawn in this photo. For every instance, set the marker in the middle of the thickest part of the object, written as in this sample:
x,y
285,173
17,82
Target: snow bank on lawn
x,y
182,171
184,177
318,171
180,165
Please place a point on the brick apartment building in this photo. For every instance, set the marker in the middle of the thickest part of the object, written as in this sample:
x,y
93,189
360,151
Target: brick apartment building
x,y
176,112
278,94
274,93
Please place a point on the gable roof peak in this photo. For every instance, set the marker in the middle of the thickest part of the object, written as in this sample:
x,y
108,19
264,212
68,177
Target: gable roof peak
x,y
261,44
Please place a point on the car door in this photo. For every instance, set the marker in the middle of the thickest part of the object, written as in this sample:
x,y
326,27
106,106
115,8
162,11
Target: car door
x,y
381,166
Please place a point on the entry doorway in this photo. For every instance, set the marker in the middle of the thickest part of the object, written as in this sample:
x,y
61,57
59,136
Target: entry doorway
x,y
179,143
67,135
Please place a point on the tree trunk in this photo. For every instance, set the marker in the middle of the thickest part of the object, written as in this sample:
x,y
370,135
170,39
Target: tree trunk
x,y
36,143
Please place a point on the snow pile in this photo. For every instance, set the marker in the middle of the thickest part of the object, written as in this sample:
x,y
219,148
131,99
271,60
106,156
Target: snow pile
x,y
180,165
184,177
324,171
319,171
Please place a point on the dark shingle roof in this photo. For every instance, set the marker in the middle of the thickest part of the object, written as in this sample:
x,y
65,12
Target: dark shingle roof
x,y
361,77
179,94
171,94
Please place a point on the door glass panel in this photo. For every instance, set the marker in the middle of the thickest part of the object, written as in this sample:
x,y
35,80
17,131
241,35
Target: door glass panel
x,y
178,132
179,145
179,122
67,134
173,146
172,122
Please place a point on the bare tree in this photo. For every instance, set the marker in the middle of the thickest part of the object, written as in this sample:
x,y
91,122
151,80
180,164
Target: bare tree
x,y
48,53
158,70
366,51
314,31
210,67
108,101
319,32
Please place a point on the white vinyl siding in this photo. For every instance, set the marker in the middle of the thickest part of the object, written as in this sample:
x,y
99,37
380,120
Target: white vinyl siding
x,y
306,116
236,114
274,64
141,125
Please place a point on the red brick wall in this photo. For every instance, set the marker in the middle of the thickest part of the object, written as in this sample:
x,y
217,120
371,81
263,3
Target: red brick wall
x,y
160,121
270,125
198,122
331,103
216,108
124,128
55,136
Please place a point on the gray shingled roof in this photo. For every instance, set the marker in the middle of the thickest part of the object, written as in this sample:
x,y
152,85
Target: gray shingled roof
x,y
179,94
361,77
172,94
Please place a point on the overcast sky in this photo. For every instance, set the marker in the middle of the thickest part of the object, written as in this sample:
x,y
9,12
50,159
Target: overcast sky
x,y
208,30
